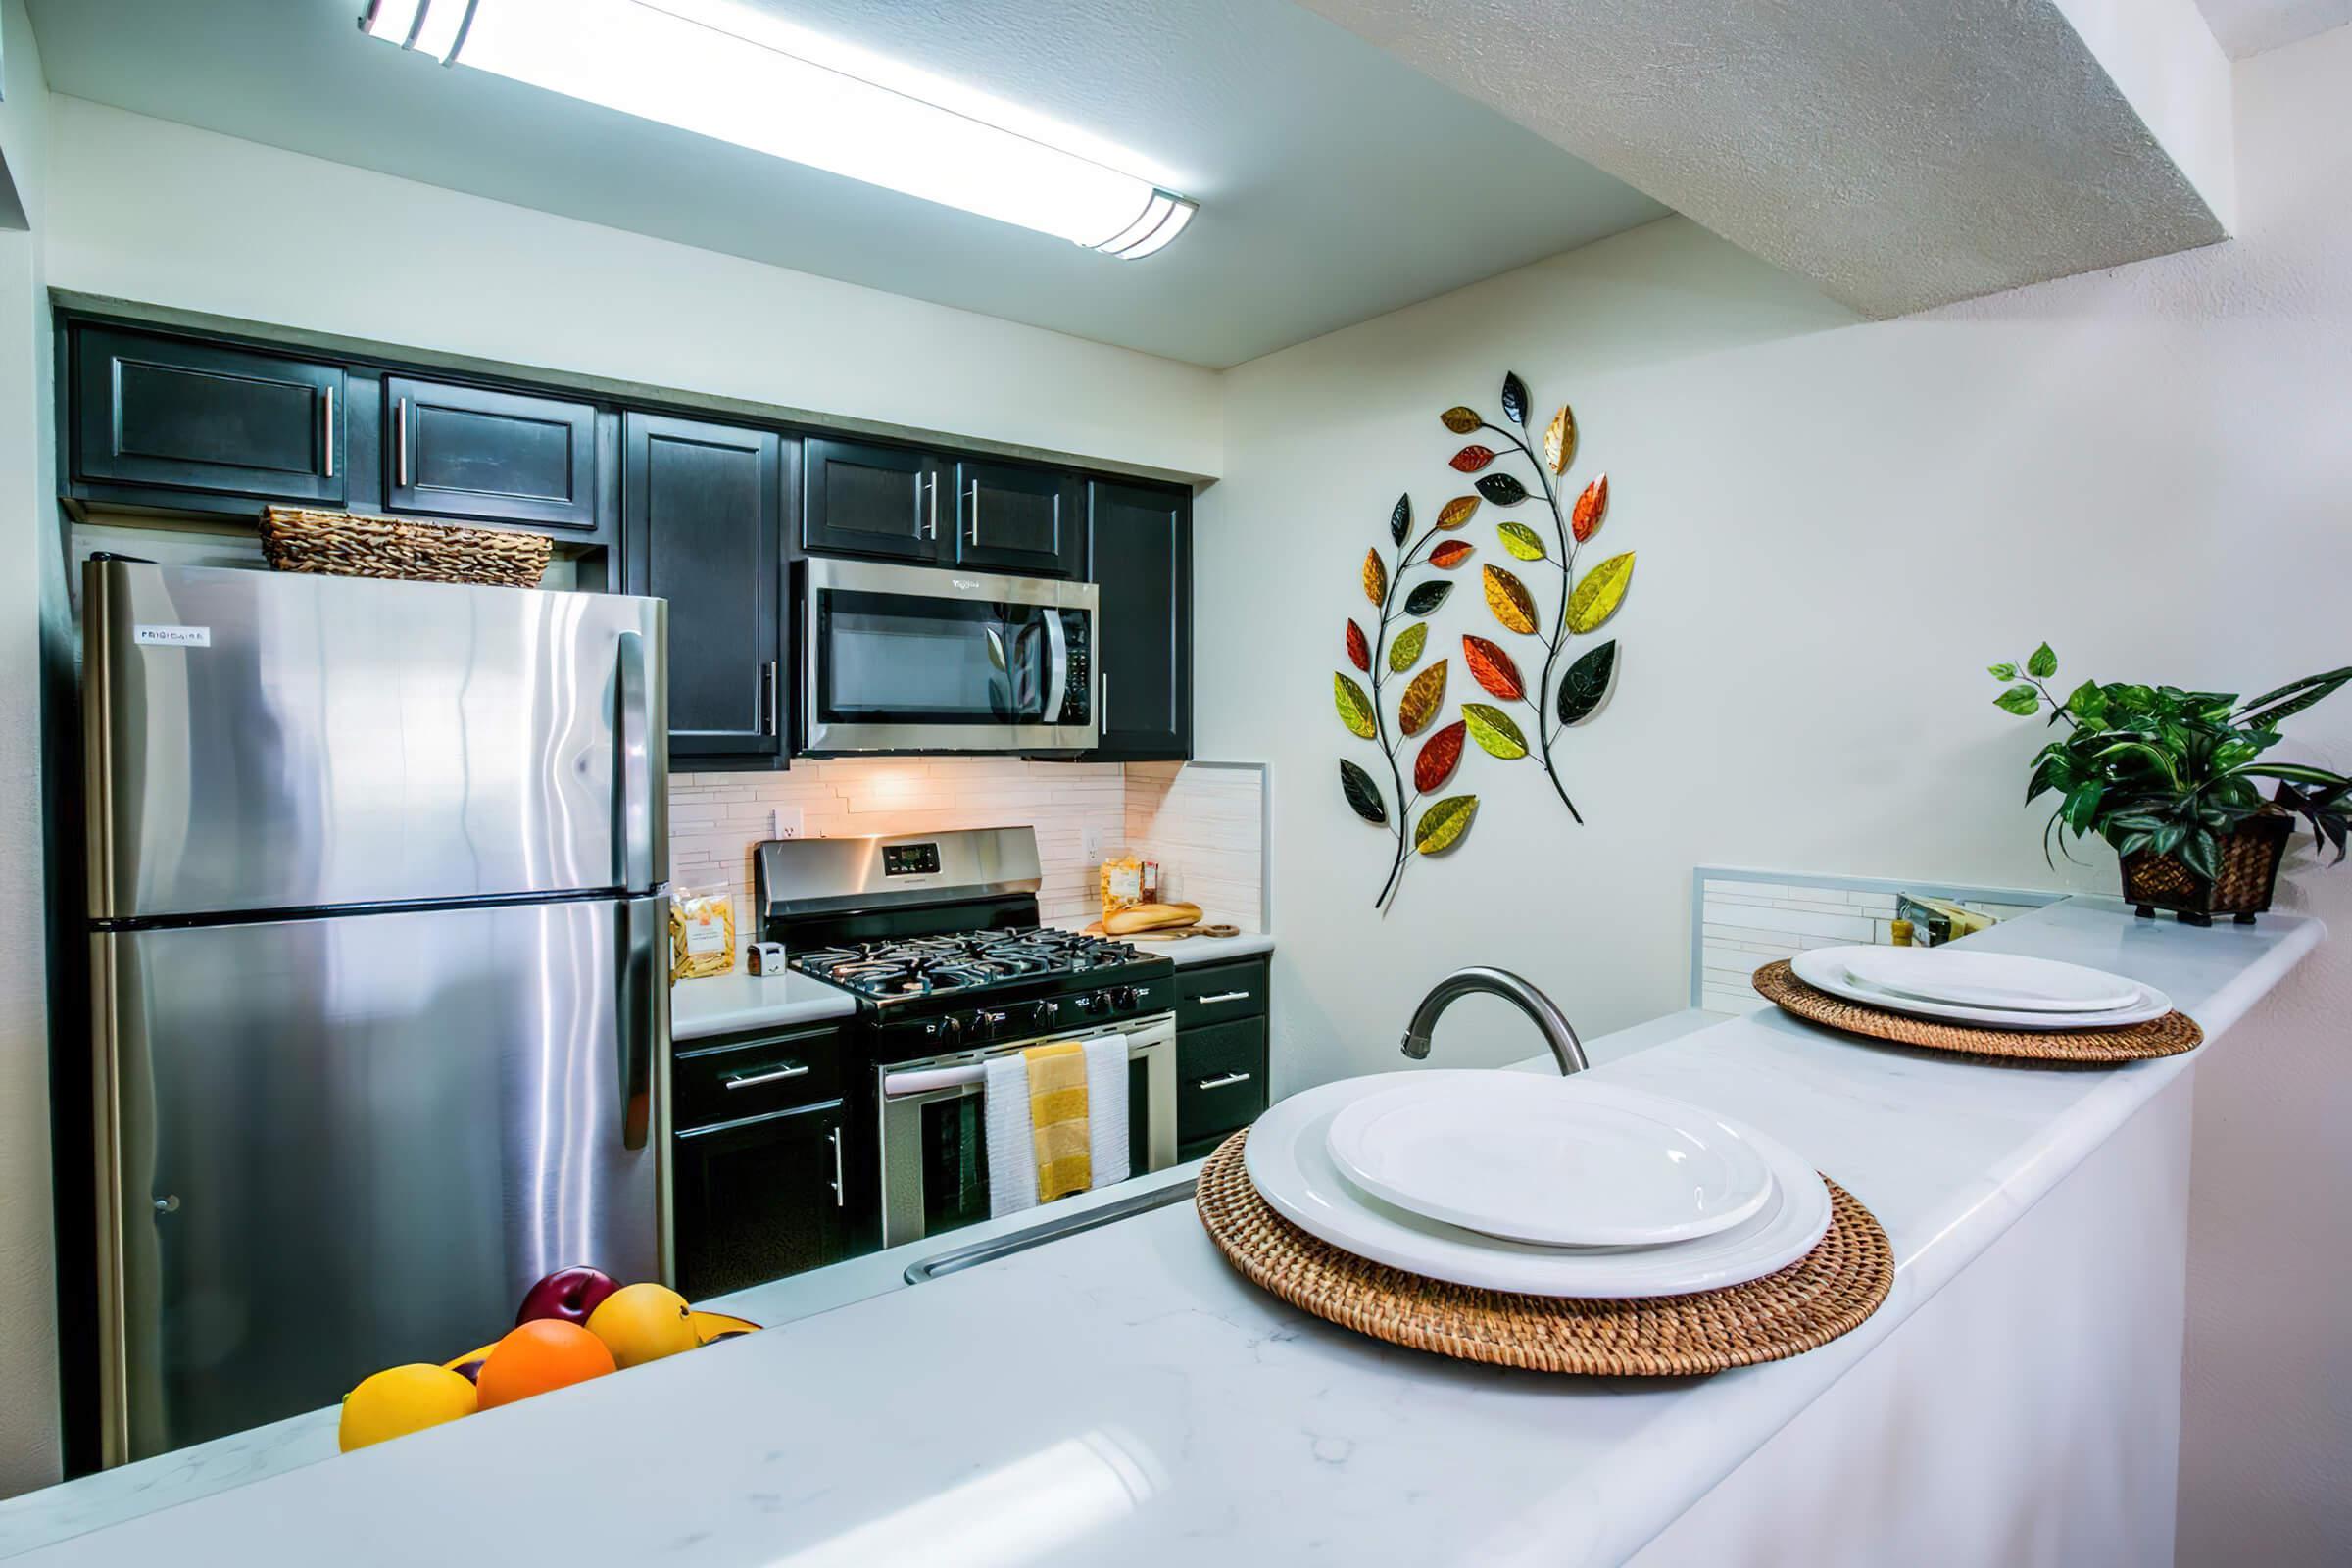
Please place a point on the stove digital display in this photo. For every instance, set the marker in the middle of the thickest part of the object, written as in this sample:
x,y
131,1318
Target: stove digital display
x,y
911,860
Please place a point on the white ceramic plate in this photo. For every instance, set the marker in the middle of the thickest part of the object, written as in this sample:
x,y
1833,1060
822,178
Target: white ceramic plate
x,y
1289,1163
1555,1162
1816,968
2003,981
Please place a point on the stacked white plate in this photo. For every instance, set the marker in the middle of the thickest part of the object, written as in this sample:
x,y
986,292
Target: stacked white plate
x,y
1996,989
1564,1187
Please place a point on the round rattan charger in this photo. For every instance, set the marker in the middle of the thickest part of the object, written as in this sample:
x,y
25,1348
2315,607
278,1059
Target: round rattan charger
x,y
2168,1036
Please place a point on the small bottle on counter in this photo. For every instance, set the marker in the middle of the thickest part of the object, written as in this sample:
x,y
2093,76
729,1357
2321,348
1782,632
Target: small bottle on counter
x,y
1899,933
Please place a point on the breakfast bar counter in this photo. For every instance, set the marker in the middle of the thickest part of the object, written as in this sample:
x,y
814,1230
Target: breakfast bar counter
x,y
1122,1395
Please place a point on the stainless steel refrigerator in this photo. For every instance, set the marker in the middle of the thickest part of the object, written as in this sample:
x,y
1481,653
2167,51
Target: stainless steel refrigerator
x,y
378,929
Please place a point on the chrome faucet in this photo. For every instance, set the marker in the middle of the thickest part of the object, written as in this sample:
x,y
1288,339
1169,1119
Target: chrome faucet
x,y
1558,1033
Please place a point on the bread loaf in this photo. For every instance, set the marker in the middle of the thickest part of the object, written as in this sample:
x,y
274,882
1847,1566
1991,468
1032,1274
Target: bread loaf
x,y
1150,918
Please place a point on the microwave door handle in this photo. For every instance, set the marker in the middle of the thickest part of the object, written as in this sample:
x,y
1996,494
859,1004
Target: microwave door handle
x,y
1058,666
633,768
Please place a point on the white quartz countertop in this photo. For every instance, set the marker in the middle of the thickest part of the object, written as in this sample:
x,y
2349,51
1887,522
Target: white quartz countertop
x,y
729,1003
1211,950
1124,1396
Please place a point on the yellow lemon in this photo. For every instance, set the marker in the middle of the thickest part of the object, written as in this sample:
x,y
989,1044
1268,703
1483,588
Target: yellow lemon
x,y
401,1400
641,1323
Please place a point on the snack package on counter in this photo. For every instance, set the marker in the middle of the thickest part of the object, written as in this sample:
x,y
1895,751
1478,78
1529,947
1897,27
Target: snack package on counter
x,y
1122,884
702,933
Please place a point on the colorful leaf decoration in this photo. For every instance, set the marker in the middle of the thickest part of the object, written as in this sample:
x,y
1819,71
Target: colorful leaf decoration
x,y
1494,669
1501,489
1461,420
1514,399
1425,598
1422,699
1355,708
1362,794
1454,514
1598,597
1586,682
1440,755
1559,440
1471,459
1376,576
1359,648
1445,823
1494,732
1405,652
1511,601
1521,540
1450,555
1400,519
1591,506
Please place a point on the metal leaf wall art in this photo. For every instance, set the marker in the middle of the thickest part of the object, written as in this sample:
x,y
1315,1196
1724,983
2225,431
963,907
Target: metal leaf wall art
x,y
1392,653
1560,689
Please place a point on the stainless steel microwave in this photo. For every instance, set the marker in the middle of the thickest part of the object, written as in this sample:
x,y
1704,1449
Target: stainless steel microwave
x,y
921,659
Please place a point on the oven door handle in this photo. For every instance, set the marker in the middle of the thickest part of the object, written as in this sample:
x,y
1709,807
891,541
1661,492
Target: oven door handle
x,y
924,1080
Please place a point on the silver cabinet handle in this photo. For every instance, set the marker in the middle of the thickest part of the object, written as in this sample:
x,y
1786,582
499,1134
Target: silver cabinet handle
x,y
400,442
1224,996
1102,718
767,686
326,423
753,1077
975,539
931,487
840,1199
1226,1082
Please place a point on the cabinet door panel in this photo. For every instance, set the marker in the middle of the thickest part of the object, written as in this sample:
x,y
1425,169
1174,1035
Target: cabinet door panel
x,y
870,501
1011,519
1220,1078
1140,549
701,530
156,411
492,457
758,1200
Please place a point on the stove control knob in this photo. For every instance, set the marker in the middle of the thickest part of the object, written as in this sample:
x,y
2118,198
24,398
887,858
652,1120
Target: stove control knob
x,y
1126,998
1048,1013
1093,1004
987,1022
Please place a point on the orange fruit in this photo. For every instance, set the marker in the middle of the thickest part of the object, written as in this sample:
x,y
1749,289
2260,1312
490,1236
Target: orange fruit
x,y
542,1354
399,1400
641,1323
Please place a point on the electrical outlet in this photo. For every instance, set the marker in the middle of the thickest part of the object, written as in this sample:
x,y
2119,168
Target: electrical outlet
x,y
783,821
1090,848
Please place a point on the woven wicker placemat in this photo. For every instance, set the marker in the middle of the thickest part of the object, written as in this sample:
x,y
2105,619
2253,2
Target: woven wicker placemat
x,y
2168,1036
1805,1305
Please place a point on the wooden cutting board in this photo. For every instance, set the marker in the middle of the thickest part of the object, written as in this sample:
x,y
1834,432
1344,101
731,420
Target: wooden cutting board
x,y
1168,933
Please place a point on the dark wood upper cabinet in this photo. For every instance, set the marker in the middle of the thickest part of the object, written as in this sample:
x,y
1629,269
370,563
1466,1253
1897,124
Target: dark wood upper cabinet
x,y
1019,520
489,457
870,501
701,527
1140,549
153,412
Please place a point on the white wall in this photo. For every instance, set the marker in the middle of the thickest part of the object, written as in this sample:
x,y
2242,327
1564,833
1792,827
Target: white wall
x,y
150,211
1839,524
29,1444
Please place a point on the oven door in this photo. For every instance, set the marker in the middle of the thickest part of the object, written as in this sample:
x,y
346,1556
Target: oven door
x,y
934,1127
911,659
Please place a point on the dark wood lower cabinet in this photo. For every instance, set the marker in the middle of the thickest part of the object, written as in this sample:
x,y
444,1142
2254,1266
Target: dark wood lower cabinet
x,y
758,1198
1220,1052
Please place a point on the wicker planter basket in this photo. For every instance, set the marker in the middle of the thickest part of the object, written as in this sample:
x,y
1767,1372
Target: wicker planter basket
x,y
345,545
2249,868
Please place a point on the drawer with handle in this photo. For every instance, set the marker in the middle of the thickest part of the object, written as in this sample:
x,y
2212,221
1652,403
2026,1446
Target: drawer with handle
x,y
726,1083
1220,1077
1219,993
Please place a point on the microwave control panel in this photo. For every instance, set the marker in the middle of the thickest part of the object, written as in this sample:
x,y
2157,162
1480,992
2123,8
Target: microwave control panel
x,y
1077,699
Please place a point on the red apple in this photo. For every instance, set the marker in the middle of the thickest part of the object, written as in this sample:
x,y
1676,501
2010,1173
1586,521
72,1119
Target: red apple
x,y
568,1294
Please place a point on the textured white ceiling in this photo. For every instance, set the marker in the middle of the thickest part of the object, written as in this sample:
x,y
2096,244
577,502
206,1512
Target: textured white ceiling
x,y
2245,28
1336,183
1899,154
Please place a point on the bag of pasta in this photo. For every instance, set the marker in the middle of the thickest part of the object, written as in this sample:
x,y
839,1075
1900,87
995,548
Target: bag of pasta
x,y
702,933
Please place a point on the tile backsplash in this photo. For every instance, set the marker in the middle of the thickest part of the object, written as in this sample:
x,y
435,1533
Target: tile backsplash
x,y
1745,924
1204,823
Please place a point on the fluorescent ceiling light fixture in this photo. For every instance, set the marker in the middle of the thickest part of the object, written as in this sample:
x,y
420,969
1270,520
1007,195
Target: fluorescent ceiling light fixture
x,y
657,65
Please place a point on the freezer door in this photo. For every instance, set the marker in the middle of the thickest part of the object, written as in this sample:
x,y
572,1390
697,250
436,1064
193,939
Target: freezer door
x,y
333,1145
263,741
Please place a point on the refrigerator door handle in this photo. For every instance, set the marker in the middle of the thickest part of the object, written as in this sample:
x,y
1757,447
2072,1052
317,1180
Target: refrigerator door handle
x,y
633,768
644,1001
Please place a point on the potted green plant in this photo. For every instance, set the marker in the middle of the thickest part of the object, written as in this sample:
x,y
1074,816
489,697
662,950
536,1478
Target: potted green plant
x,y
2168,778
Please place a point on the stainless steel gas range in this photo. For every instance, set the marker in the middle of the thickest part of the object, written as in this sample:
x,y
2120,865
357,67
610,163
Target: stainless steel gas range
x,y
938,936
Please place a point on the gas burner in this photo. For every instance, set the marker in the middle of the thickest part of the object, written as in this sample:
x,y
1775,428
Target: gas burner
x,y
918,967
